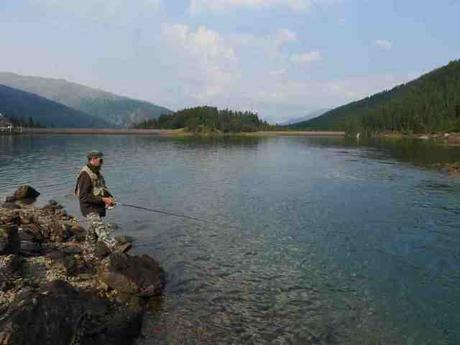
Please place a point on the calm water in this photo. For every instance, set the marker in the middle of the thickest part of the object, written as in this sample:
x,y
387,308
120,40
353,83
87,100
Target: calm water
x,y
328,242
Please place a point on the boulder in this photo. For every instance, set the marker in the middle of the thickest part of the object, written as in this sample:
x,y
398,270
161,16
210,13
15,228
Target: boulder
x,y
9,239
30,248
134,275
122,239
30,232
61,315
25,192
10,269
101,250
10,205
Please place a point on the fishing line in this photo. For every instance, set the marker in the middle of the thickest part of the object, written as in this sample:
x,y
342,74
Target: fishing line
x,y
177,215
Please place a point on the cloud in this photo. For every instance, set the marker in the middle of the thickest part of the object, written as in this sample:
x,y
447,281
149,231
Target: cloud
x,y
277,72
198,6
120,10
204,62
305,58
300,6
384,44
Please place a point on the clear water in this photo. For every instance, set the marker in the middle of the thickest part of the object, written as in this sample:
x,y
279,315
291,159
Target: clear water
x,y
325,241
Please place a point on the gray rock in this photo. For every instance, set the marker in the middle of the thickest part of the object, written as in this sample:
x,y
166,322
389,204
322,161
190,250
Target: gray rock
x,y
30,248
101,250
9,239
122,239
25,192
62,315
135,275
10,205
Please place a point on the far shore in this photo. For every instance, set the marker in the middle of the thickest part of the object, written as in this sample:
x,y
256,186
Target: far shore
x,y
170,132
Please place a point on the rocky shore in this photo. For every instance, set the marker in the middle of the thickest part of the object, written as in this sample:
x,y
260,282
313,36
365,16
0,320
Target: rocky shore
x,y
52,293
449,168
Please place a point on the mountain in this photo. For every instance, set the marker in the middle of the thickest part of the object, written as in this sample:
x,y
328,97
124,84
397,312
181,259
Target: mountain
x,y
309,116
21,105
118,110
427,104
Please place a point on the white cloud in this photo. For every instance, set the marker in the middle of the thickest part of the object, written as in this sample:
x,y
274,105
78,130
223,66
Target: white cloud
x,y
284,36
277,72
384,44
197,6
200,6
203,60
102,9
305,58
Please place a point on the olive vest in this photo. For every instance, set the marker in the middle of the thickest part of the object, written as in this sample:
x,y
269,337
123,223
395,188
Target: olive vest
x,y
97,181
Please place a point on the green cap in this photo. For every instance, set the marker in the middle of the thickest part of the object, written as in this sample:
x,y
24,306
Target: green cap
x,y
94,153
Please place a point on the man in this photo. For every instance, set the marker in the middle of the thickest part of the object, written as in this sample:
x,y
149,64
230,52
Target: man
x,y
94,199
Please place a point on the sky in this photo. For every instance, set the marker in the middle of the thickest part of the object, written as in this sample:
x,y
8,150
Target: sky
x,y
280,58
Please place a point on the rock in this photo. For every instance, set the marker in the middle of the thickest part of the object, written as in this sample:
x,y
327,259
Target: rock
x,y
71,248
10,268
101,250
10,205
25,192
122,239
113,226
52,202
30,248
78,233
30,232
10,198
70,264
61,315
59,232
135,275
9,239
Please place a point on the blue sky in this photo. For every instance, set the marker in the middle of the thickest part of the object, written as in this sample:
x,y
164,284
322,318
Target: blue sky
x,y
281,58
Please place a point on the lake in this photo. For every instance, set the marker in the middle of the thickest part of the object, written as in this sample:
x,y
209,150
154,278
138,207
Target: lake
x,y
312,240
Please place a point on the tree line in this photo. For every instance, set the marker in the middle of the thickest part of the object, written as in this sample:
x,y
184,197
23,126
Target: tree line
x,y
23,122
208,119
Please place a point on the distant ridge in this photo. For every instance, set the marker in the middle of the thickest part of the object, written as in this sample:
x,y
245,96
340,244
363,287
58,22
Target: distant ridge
x,y
23,105
118,111
307,117
427,104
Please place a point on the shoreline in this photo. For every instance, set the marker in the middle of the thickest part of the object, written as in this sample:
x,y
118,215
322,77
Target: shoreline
x,y
51,289
172,132
451,139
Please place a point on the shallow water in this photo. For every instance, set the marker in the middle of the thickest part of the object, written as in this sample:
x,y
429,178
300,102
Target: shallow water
x,y
322,241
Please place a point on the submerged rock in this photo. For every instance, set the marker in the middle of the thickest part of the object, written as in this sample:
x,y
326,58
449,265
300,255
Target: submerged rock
x,y
450,168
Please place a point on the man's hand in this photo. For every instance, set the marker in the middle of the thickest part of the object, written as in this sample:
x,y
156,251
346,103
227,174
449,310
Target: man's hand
x,y
108,201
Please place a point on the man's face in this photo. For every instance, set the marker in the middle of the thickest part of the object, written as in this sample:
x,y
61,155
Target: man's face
x,y
96,161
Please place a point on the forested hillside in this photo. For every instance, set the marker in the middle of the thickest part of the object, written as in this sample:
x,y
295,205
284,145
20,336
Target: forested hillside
x,y
430,103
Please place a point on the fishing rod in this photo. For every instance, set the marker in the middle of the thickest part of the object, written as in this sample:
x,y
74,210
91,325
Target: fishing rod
x,y
175,215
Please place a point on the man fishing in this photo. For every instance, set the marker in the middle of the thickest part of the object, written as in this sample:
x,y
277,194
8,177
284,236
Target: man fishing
x,y
94,199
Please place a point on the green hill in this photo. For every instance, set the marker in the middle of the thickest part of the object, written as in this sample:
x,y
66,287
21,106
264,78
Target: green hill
x,y
430,103
118,110
26,107
207,119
